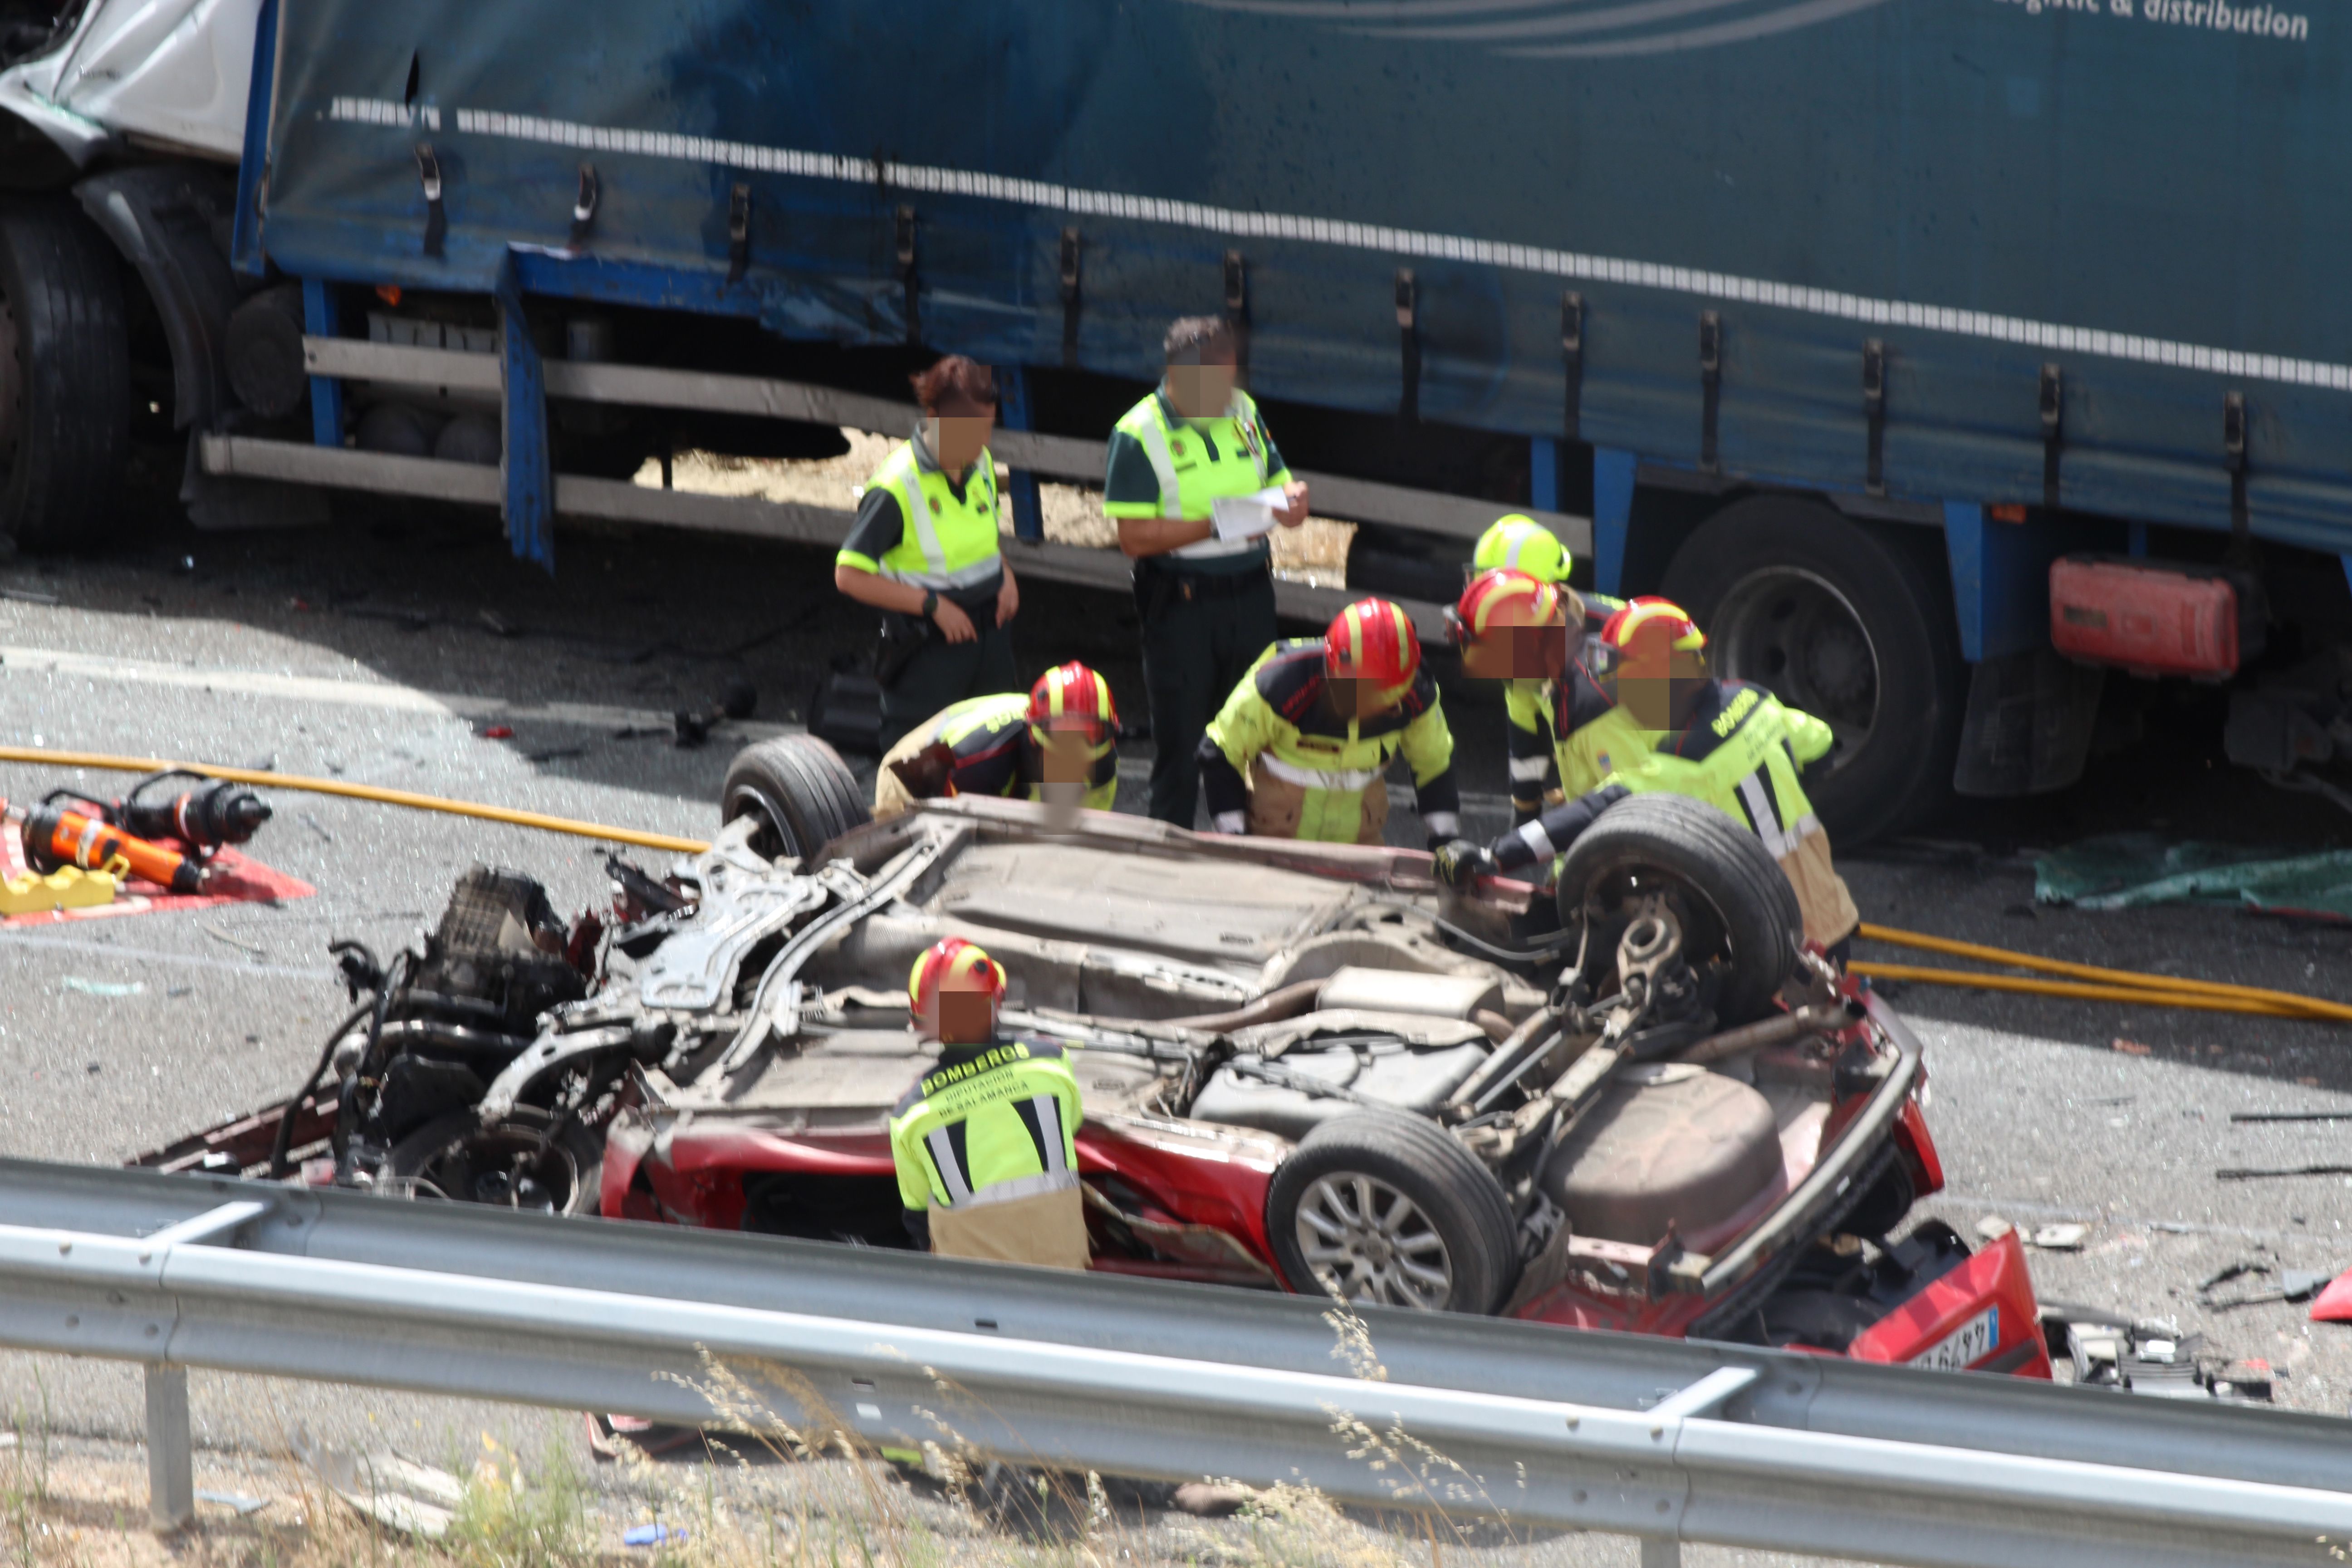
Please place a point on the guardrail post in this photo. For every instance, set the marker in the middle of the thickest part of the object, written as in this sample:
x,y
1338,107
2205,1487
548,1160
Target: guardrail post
x,y
1656,1554
170,1456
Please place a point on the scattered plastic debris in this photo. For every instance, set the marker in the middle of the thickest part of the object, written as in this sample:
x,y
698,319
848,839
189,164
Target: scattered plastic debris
x,y
1992,1228
2059,1237
498,732
104,987
2129,1048
653,1535
388,1488
219,935
2334,1303
236,1503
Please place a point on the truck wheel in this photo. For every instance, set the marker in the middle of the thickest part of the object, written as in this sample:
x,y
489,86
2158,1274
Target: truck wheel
x,y
801,795
1405,566
1387,1210
1736,908
1842,622
65,377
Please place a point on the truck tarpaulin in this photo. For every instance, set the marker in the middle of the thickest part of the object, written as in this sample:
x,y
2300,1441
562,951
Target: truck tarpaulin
x,y
1981,189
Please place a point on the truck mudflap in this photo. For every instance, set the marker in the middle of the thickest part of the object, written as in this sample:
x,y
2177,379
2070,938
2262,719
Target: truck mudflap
x,y
1978,1317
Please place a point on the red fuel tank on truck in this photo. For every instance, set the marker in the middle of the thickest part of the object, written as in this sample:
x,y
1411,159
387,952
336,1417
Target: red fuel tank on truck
x,y
2155,618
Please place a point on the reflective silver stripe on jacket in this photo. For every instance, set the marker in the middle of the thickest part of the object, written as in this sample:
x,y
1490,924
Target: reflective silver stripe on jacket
x,y
951,1174
1153,439
1763,809
1526,769
918,508
1005,1192
1049,1125
1319,778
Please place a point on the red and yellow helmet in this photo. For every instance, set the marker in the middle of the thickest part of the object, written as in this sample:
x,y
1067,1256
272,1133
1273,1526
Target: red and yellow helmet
x,y
1642,639
1372,640
1070,696
952,958
1503,597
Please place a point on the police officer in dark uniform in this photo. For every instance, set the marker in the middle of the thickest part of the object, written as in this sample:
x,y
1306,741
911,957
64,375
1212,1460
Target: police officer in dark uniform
x,y
1202,586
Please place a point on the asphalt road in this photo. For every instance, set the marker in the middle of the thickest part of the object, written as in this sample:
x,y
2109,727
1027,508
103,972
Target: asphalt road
x,y
370,653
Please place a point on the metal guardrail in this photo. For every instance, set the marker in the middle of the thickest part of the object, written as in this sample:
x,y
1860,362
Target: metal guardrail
x,y
1663,1440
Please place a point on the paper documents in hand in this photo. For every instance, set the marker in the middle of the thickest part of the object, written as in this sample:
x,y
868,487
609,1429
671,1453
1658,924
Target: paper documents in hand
x,y
1246,517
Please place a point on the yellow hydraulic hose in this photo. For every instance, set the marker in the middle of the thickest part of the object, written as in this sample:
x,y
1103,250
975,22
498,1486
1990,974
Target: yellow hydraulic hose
x,y
2080,991
2092,984
361,792
2257,1000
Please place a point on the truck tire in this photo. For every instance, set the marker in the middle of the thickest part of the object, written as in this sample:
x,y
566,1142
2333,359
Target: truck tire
x,y
1844,622
1397,1214
1733,901
65,377
801,793
265,352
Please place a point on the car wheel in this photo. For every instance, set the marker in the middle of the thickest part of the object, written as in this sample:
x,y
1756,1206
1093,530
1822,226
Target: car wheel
x,y
1736,908
799,792
1847,623
515,1164
64,378
1388,1211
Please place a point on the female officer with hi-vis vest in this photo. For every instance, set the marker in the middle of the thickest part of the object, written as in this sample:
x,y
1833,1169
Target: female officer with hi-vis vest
x,y
923,551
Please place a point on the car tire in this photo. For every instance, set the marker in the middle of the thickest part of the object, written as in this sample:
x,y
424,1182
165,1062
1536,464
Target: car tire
x,y
450,1158
65,377
1456,1228
1746,913
1849,623
802,794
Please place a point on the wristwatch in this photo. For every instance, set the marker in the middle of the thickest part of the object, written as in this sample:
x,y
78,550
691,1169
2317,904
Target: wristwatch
x,y
930,603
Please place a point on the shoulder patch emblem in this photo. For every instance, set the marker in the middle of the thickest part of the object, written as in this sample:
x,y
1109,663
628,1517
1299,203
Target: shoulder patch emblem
x,y
1177,446
935,506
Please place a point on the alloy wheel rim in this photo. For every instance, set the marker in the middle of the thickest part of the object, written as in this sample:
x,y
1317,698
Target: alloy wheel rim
x,y
1364,1240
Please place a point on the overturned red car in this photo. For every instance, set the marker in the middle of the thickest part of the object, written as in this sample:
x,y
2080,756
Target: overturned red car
x,y
1305,1066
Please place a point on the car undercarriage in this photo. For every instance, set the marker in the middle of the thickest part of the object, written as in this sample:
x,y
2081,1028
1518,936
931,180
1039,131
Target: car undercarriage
x,y
1303,1066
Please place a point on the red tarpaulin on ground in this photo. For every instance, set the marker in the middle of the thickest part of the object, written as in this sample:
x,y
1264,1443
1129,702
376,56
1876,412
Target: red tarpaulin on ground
x,y
235,880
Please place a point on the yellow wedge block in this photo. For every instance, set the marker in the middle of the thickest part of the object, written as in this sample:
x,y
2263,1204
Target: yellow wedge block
x,y
70,889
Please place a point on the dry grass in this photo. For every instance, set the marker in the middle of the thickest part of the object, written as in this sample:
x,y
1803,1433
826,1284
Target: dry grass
x,y
777,1491
1315,551
88,1512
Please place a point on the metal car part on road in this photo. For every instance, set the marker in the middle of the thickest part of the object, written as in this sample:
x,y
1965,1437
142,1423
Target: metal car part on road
x,y
1753,1449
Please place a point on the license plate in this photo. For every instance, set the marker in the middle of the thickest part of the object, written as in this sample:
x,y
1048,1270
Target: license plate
x,y
1964,1346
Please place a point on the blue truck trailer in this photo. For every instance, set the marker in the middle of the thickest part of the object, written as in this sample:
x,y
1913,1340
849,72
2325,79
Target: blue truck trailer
x,y
1845,323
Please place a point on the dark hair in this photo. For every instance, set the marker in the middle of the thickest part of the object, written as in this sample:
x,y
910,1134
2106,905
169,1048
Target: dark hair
x,y
1191,339
955,379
